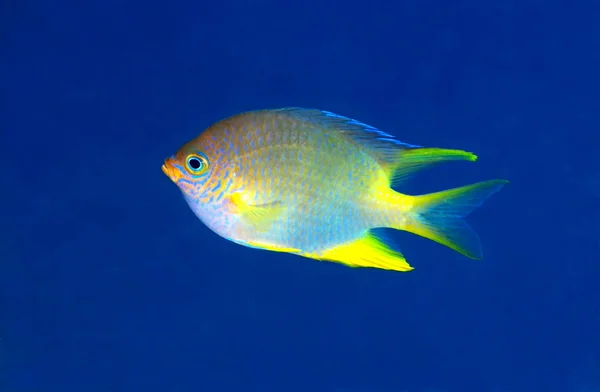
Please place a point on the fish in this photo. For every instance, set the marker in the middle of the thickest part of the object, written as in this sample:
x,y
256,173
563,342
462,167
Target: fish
x,y
320,185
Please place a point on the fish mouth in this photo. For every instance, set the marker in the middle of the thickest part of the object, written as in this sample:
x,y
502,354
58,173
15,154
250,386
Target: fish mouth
x,y
168,170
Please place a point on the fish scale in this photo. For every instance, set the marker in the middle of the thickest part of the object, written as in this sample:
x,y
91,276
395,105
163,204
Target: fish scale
x,y
317,184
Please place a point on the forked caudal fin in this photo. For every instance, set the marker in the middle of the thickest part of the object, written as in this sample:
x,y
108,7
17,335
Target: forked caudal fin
x,y
439,216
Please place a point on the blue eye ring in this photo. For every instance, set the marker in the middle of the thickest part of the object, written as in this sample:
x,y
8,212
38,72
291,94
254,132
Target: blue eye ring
x,y
196,164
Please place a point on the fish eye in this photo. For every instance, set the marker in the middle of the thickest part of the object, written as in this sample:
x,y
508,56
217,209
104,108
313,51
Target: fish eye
x,y
196,163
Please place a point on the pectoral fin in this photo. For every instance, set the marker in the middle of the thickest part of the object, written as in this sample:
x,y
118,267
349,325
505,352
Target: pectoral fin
x,y
259,216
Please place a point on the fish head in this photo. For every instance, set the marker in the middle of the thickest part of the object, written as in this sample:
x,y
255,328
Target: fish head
x,y
192,169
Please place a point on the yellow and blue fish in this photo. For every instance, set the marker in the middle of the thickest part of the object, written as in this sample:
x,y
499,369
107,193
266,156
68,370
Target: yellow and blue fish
x,y
317,184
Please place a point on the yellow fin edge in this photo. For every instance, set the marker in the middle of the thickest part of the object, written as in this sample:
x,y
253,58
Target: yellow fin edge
x,y
271,247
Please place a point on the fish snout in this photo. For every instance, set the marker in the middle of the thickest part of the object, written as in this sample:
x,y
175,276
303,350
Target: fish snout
x,y
169,169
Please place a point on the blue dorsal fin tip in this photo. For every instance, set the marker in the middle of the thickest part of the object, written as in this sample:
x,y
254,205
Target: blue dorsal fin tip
x,y
396,141
384,136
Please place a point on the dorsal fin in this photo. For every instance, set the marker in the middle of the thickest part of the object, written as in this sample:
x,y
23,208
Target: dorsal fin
x,y
381,146
397,159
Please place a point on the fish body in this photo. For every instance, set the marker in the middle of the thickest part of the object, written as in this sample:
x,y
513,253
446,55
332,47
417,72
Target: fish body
x,y
316,184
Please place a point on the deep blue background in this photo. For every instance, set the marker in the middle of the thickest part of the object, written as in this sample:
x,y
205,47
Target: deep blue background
x,y
109,283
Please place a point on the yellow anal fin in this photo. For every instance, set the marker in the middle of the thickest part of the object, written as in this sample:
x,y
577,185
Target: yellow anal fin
x,y
259,216
369,251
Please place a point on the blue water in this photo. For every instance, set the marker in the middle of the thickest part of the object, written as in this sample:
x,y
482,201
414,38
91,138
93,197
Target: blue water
x,y
109,283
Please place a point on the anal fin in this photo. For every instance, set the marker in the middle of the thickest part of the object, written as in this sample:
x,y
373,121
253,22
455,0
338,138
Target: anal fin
x,y
369,251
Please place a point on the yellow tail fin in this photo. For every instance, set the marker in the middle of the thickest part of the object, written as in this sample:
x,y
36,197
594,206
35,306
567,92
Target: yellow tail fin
x,y
439,216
